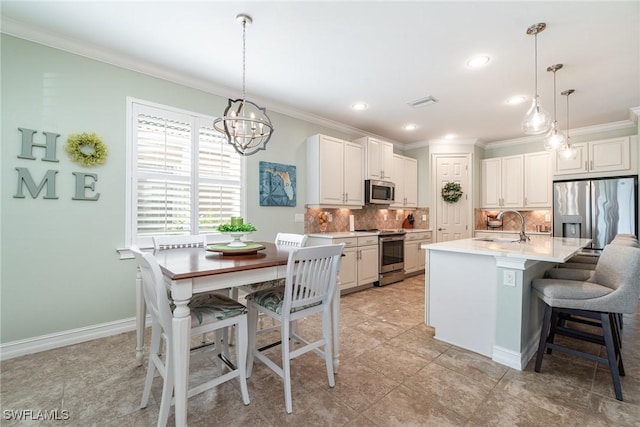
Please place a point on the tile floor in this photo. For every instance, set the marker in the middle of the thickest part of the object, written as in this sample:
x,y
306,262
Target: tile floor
x,y
392,373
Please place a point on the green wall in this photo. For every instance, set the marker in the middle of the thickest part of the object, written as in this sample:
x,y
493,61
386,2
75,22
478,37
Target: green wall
x,y
59,266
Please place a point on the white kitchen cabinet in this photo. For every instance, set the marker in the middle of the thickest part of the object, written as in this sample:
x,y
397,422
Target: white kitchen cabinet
x,y
502,182
368,260
605,155
359,265
414,257
538,190
334,172
378,158
405,171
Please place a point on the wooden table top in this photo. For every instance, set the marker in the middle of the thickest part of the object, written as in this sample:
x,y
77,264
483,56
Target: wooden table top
x,y
189,263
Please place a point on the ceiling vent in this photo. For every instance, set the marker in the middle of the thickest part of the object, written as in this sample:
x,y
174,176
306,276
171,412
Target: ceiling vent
x,y
423,102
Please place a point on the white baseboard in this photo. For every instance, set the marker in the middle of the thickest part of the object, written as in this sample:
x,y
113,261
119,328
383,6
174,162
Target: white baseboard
x,y
515,359
73,336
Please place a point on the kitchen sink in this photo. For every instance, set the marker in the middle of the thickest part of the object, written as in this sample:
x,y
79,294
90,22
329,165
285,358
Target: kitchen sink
x,y
497,239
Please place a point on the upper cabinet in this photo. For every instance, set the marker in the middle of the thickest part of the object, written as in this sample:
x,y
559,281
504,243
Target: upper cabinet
x,y
405,172
334,172
517,182
538,189
502,182
605,155
378,158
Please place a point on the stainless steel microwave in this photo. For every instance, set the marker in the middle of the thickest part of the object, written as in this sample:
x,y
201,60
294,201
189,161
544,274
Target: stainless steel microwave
x,y
379,192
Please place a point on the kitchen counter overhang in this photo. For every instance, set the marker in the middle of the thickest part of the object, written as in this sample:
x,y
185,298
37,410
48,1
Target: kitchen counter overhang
x,y
478,293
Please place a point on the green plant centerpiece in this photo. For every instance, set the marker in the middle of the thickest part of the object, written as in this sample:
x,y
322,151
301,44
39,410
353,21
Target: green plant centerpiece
x,y
451,192
236,230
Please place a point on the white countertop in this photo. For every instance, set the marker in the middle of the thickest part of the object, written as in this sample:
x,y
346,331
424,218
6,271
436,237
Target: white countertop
x,y
344,234
539,248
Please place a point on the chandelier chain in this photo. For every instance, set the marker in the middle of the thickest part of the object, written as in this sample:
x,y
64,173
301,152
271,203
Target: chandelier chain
x,y
244,49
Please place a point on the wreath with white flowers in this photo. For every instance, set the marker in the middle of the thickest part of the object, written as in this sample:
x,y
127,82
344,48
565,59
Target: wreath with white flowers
x,y
451,192
86,149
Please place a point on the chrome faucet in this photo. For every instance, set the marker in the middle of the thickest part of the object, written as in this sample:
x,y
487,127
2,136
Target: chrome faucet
x,y
523,237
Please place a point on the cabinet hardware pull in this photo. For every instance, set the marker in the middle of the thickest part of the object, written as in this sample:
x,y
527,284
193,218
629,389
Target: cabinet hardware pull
x,y
585,166
441,229
591,165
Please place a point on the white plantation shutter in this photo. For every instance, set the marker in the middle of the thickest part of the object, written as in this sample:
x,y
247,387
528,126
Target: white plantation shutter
x,y
186,178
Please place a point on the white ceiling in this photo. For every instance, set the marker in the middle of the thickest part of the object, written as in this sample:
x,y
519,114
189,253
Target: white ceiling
x,y
321,57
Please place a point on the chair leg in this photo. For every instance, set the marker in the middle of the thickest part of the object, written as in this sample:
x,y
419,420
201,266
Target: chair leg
x,y
252,320
167,392
544,332
611,354
617,343
286,366
154,349
241,351
328,349
557,321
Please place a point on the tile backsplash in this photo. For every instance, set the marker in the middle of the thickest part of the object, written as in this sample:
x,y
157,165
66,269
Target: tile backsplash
x,y
511,221
366,218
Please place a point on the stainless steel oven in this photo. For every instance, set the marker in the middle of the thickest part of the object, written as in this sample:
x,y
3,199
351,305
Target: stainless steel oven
x,y
391,251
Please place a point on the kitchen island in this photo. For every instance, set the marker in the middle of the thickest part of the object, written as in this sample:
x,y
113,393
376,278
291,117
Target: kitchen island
x,y
478,293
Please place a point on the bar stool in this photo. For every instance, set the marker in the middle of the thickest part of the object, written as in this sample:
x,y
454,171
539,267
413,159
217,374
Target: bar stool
x,y
613,288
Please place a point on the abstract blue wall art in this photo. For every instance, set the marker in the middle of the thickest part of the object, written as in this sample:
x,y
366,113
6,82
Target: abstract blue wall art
x,y
277,184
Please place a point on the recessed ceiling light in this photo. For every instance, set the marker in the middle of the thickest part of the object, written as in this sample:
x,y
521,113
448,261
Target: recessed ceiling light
x,y
478,61
410,126
450,136
515,100
359,106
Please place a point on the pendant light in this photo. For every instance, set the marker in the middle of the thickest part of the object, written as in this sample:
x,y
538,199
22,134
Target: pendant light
x,y
537,120
568,152
246,125
555,139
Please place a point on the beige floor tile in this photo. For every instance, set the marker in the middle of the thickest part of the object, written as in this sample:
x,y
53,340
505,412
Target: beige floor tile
x,y
472,365
449,388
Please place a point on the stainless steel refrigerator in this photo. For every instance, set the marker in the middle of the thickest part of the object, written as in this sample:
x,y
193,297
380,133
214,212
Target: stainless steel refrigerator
x,y
596,209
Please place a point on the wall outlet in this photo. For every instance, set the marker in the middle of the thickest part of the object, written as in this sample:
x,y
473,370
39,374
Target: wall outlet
x,y
384,217
299,218
509,278
330,218
424,217
397,217
547,218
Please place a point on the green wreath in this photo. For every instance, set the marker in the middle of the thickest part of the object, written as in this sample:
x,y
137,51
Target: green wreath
x,y
451,192
86,149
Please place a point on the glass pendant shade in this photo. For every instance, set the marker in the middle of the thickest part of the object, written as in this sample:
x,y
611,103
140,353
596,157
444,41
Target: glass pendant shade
x,y
568,152
556,140
537,120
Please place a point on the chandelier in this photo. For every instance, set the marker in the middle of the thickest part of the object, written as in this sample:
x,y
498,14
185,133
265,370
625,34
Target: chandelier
x,y
245,124
555,139
537,119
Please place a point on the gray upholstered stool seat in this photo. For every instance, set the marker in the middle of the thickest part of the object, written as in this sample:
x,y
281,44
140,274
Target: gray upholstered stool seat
x,y
614,287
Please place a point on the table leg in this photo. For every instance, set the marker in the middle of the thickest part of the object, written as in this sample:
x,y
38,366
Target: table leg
x,y
140,318
181,325
335,326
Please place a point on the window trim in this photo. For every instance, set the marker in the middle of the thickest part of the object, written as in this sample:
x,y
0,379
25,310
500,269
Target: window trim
x,y
131,171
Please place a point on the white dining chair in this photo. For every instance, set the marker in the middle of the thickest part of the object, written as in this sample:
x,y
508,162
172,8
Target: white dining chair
x,y
310,286
209,313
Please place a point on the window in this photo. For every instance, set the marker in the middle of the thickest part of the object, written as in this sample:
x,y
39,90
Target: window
x,y
184,177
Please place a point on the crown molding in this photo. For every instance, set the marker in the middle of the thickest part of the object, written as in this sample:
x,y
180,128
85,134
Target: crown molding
x,y
634,113
605,127
54,40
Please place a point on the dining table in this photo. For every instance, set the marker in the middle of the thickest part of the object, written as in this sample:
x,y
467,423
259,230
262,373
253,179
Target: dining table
x,y
189,271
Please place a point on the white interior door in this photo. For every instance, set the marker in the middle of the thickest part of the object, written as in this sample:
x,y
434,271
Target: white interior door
x,y
452,219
